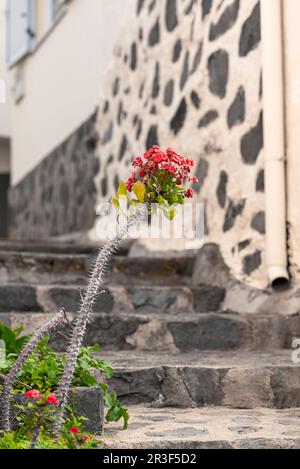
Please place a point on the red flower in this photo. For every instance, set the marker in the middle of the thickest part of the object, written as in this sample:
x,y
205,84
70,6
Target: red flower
x,y
74,430
85,438
33,394
189,193
52,399
172,169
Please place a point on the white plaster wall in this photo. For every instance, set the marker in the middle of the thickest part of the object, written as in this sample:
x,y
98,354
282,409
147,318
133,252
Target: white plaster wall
x,y
4,108
62,79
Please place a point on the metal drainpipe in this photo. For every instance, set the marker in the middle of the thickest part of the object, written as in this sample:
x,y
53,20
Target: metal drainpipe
x,y
274,141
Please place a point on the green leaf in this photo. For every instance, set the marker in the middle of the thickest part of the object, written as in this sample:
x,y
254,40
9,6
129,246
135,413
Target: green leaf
x,y
115,202
139,191
122,191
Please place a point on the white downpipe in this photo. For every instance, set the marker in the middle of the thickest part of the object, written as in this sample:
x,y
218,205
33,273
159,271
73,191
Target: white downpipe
x,y
274,140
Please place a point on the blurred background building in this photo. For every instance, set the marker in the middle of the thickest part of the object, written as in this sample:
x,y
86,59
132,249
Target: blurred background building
x,y
92,83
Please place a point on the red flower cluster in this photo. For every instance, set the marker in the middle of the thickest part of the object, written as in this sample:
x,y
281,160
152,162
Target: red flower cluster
x,y
74,430
35,394
163,167
52,399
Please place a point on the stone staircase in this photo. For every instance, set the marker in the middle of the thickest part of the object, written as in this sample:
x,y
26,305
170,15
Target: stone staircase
x,y
193,372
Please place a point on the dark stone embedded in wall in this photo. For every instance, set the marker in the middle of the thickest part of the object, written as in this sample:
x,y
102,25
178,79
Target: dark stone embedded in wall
x,y
197,58
133,56
139,129
185,71
206,7
122,114
222,189
237,110
260,92
151,6
154,36
244,244
252,143
196,101
171,15
251,32
179,117
140,5
260,181
201,173
123,147
258,222
104,186
252,262
207,119
169,93
59,195
152,137
141,90
105,106
218,68
116,86
153,110
156,85
226,21
189,8
233,211
177,50
116,182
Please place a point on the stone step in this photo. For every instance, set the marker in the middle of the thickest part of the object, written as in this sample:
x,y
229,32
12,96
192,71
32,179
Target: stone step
x,y
138,299
72,269
206,428
52,246
175,333
243,380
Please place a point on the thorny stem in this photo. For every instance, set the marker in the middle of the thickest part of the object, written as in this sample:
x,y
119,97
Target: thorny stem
x,y
5,399
80,324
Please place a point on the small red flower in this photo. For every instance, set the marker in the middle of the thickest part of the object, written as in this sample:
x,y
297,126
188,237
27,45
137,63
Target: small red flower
x,y
52,399
85,438
189,193
33,394
74,430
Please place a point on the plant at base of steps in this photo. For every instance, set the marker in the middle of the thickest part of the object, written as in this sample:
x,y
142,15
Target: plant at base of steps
x,y
14,371
44,367
116,410
80,324
35,417
156,180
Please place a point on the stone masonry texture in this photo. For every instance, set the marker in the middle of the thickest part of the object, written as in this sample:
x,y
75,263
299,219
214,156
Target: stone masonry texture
x,y
186,74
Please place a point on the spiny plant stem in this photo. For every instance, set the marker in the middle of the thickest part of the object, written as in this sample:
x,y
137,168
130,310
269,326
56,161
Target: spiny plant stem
x,y
80,324
11,378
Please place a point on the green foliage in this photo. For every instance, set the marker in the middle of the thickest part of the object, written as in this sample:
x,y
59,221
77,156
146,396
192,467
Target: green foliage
x,y
44,367
14,342
13,441
116,410
17,440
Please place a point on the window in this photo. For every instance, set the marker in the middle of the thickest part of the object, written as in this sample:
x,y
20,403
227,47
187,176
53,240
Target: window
x,y
20,29
53,9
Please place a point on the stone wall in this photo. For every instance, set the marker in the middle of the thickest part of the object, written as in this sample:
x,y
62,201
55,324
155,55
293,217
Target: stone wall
x,y
59,195
187,73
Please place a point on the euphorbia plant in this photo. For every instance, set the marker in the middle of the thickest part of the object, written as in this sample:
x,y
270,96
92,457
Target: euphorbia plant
x,y
159,178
